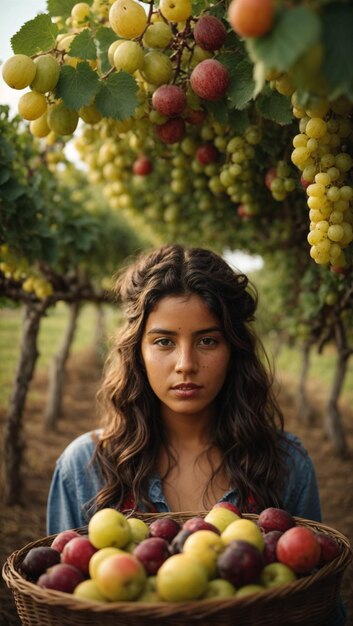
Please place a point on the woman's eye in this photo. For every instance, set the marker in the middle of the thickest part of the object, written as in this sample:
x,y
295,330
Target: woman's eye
x,y
208,341
164,342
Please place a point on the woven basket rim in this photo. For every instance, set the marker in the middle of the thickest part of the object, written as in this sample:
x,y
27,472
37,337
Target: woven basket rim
x,y
18,584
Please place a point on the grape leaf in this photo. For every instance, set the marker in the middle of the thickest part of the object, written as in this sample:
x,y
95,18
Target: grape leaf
x,y
239,121
62,8
219,110
77,86
338,42
117,96
83,46
104,37
242,85
295,31
35,35
273,106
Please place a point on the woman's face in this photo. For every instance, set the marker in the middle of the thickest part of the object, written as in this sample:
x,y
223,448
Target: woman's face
x,y
186,356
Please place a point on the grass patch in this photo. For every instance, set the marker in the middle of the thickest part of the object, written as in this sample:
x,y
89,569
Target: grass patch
x,y
51,331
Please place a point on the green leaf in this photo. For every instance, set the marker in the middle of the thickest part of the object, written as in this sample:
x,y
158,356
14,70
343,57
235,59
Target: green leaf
x,y
104,37
77,86
338,43
230,60
239,121
295,31
242,85
4,176
219,110
37,35
62,8
83,46
273,106
117,96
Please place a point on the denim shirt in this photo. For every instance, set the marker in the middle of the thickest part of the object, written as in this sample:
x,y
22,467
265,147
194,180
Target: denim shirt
x,y
76,482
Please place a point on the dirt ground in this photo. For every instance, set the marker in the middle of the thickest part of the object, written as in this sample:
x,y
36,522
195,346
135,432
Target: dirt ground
x,y
20,525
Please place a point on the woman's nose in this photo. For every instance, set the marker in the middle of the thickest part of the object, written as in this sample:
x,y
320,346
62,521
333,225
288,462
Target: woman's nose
x,y
186,360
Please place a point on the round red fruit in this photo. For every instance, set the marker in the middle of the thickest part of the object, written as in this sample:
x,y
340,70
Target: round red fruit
x,y
195,116
299,549
210,33
142,166
169,100
251,18
207,153
269,177
172,131
210,80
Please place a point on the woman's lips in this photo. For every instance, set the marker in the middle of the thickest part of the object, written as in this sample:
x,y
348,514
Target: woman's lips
x,y
186,390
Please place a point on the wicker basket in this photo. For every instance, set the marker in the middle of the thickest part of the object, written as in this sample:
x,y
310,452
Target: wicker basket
x,y
309,600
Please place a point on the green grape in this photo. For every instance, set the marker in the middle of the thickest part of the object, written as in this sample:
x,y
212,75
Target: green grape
x,y
47,73
129,57
32,105
19,71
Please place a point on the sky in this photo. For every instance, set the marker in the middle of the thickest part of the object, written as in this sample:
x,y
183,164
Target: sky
x,y
16,13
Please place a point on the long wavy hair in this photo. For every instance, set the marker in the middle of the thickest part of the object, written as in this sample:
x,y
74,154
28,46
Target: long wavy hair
x,y
248,427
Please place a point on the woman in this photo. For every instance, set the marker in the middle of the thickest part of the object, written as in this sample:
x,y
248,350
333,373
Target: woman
x,y
189,413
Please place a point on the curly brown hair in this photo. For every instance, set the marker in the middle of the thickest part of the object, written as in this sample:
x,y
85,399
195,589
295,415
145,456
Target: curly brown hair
x,y
248,428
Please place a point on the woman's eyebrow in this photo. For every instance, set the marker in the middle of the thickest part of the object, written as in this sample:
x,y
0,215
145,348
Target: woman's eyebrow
x,y
163,331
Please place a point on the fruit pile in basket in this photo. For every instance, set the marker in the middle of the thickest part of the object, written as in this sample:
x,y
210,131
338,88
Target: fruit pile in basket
x,y
220,555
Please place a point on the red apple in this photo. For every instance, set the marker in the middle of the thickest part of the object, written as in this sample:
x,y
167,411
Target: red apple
x,y
199,523
152,552
77,552
241,563
172,131
61,577
229,506
164,527
37,561
142,166
176,546
299,549
271,539
62,538
210,80
269,177
210,33
169,100
206,153
274,518
330,548
195,116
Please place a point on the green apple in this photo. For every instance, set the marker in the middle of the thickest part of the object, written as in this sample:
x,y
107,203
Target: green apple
x,y
98,557
121,577
206,546
244,530
88,590
181,578
275,574
221,517
248,590
139,529
109,527
219,588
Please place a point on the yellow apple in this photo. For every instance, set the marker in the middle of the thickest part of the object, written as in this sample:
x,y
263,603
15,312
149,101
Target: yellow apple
x,y
99,556
181,577
245,530
88,590
221,517
139,529
109,527
206,546
121,577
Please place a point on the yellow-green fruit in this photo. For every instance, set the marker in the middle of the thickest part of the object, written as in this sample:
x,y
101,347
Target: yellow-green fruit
x,y
80,11
88,590
176,10
39,127
47,74
32,105
111,50
129,57
157,68
61,120
19,71
90,114
158,35
127,18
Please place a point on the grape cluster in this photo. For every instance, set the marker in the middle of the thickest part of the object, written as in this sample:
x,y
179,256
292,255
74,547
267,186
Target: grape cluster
x,y
17,268
322,153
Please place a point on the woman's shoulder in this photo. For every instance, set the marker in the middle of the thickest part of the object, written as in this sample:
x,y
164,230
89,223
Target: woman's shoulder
x,y
79,449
